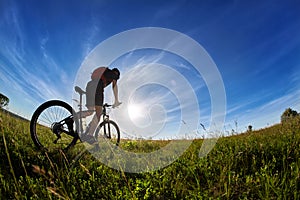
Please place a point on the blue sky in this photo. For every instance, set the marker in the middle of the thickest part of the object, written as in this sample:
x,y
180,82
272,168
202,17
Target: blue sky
x,y
254,44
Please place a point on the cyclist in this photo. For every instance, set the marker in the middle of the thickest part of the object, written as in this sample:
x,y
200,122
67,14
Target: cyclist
x,y
100,79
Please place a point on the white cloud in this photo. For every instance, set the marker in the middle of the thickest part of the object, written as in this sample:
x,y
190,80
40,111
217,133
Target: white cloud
x,y
165,103
266,114
30,79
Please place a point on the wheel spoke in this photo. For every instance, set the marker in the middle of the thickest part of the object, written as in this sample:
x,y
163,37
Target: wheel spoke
x,y
109,130
48,126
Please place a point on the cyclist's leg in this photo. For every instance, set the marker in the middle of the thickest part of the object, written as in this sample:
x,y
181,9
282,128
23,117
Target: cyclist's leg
x,y
94,122
98,102
99,97
98,112
86,113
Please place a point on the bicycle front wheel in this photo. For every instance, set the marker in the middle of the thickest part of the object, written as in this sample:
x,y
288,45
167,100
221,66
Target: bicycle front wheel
x,y
52,126
109,130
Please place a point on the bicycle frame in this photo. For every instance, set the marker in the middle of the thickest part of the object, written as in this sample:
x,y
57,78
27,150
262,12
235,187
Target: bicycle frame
x,y
105,116
60,117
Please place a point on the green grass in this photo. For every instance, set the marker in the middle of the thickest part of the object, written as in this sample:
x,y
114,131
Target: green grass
x,y
262,164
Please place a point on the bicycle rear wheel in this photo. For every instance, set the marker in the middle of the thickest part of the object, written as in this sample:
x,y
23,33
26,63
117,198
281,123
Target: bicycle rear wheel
x,y
109,130
53,126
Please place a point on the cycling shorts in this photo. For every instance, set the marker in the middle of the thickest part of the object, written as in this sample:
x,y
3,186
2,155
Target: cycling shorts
x,y
94,93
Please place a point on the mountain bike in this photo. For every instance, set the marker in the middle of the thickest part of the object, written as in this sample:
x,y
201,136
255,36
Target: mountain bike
x,y
56,125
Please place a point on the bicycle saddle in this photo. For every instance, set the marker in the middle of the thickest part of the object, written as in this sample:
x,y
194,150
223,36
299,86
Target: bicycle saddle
x,y
79,90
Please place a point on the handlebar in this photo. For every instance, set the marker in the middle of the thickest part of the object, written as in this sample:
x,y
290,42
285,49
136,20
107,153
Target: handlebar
x,y
107,105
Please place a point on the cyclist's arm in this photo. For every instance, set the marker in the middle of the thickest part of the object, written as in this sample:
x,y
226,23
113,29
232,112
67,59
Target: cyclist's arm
x,y
115,91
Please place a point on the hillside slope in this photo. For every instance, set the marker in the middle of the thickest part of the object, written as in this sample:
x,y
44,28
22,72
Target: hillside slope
x,y
263,164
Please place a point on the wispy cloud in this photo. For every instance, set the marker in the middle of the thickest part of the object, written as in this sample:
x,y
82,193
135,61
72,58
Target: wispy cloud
x,y
264,114
91,34
23,71
166,96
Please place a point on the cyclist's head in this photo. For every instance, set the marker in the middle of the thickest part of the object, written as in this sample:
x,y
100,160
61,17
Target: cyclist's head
x,y
117,72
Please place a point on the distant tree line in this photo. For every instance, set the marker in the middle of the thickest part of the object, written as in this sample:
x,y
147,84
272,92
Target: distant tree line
x,y
4,100
286,116
289,114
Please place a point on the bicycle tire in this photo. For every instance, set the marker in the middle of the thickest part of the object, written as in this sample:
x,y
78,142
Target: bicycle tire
x,y
110,130
42,123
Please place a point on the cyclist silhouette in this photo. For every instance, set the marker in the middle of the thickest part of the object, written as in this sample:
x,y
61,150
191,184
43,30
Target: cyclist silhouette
x,y
100,79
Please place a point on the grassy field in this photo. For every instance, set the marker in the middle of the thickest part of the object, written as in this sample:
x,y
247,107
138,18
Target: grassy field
x,y
262,164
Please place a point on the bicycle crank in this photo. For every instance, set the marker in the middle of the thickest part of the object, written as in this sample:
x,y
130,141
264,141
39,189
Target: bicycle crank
x,y
56,129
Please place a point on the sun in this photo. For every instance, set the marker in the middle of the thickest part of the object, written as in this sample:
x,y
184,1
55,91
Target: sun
x,y
135,111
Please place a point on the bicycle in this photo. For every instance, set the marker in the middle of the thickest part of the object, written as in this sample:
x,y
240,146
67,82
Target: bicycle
x,y
55,124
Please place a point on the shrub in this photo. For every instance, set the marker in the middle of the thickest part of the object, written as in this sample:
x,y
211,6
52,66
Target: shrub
x,y
288,114
4,100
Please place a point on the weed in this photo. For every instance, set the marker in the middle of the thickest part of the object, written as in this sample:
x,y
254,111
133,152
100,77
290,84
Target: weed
x,y
263,164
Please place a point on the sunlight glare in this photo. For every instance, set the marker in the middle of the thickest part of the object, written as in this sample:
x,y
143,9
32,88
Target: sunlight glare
x,y
135,111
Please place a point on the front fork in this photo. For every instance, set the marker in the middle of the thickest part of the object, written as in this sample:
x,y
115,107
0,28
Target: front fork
x,y
106,129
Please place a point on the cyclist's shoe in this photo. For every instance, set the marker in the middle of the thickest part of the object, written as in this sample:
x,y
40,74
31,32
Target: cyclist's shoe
x,y
88,138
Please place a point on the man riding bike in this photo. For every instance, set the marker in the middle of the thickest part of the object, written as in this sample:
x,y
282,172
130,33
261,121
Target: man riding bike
x,y
100,79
